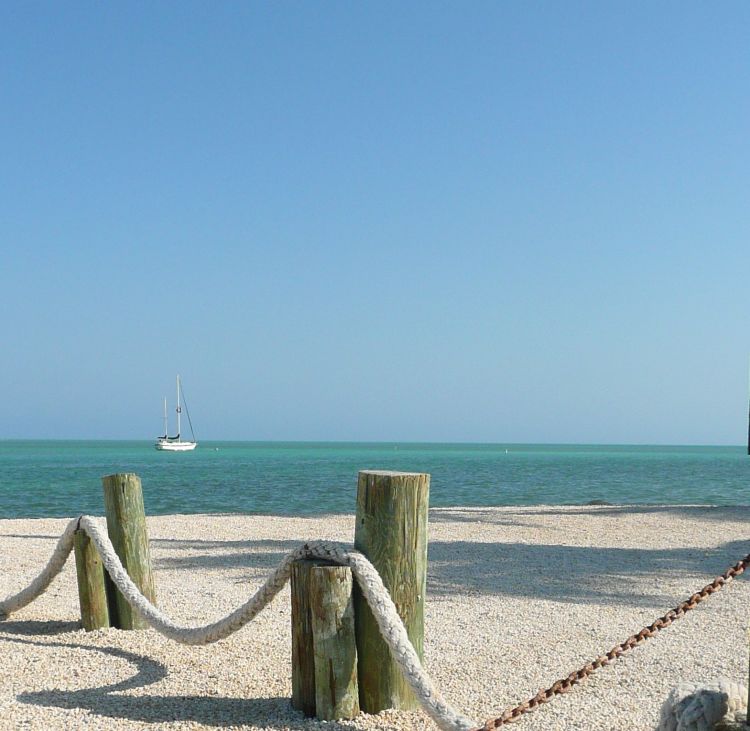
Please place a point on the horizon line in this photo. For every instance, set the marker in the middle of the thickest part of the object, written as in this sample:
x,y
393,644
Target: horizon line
x,y
378,441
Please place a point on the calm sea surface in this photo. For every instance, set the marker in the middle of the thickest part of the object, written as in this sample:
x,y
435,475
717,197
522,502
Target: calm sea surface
x,y
43,478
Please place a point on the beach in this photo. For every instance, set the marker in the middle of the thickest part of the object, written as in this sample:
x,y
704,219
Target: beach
x,y
517,597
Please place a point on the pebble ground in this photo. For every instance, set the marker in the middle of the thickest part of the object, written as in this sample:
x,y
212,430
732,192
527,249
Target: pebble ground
x,y
517,597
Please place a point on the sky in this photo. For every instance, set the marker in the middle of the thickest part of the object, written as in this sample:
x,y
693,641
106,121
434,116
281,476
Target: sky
x,y
376,221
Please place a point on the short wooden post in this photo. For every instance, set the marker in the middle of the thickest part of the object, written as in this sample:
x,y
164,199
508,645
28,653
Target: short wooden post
x,y
391,530
303,653
126,525
332,610
92,595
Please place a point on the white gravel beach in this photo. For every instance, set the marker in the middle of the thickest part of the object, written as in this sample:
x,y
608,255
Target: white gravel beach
x,y
517,598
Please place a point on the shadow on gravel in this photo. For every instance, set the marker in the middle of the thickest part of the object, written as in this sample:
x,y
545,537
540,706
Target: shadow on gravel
x,y
572,574
107,702
511,516
575,574
196,554
34,627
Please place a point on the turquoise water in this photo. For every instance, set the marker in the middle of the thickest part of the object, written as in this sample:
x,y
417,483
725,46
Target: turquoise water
x,y
64,478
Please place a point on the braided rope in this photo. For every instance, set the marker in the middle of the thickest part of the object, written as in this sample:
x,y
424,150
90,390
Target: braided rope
x,y
720,703
39,585
377,596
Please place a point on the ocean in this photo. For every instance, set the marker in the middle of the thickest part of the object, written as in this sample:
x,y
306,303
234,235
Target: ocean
x,y
63,478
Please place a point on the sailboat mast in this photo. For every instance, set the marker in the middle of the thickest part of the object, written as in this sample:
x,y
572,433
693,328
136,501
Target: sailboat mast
x,y
166,433
178,407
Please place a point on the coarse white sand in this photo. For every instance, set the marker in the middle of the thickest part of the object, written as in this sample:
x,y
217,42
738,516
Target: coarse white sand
x,y
517,598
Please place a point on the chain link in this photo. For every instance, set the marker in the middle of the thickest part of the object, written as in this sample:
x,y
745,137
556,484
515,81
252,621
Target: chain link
x,y
565,684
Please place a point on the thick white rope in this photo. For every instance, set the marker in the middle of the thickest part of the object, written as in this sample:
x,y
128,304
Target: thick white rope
x,y
703,706
377,596
39,585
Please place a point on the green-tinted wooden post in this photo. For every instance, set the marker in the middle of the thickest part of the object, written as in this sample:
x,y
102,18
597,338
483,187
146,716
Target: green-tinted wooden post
x,y
332,612
391,530
92,594
303,654
126,525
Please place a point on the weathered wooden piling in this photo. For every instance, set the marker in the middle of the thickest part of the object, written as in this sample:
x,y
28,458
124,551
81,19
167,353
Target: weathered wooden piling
x,y
335,649
324,651
126,525
92,594
303,652
391,530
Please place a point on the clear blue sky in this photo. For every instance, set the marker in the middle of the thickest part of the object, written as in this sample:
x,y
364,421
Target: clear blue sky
x,y
376,221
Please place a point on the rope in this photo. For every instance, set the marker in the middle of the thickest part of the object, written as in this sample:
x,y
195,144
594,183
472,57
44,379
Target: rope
x,y
692,707
377,596
187,411
39,585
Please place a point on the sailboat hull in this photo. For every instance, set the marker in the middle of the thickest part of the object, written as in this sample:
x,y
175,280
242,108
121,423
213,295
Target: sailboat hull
x,y
164,445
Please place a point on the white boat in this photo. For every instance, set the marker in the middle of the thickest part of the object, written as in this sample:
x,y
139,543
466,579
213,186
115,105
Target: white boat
x,y
176,443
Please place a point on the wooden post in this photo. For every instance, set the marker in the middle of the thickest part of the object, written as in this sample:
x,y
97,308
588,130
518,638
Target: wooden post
x,y
92,594
126,525
332,611
303,653
391,530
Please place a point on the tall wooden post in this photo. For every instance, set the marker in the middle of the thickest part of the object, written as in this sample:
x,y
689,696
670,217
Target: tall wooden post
x,y
126,525
391,530
92,594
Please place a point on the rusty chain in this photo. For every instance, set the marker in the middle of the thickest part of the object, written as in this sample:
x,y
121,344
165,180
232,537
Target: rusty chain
x,y
565,684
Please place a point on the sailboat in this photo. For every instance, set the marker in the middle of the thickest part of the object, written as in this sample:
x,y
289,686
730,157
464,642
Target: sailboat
x,y
176,443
